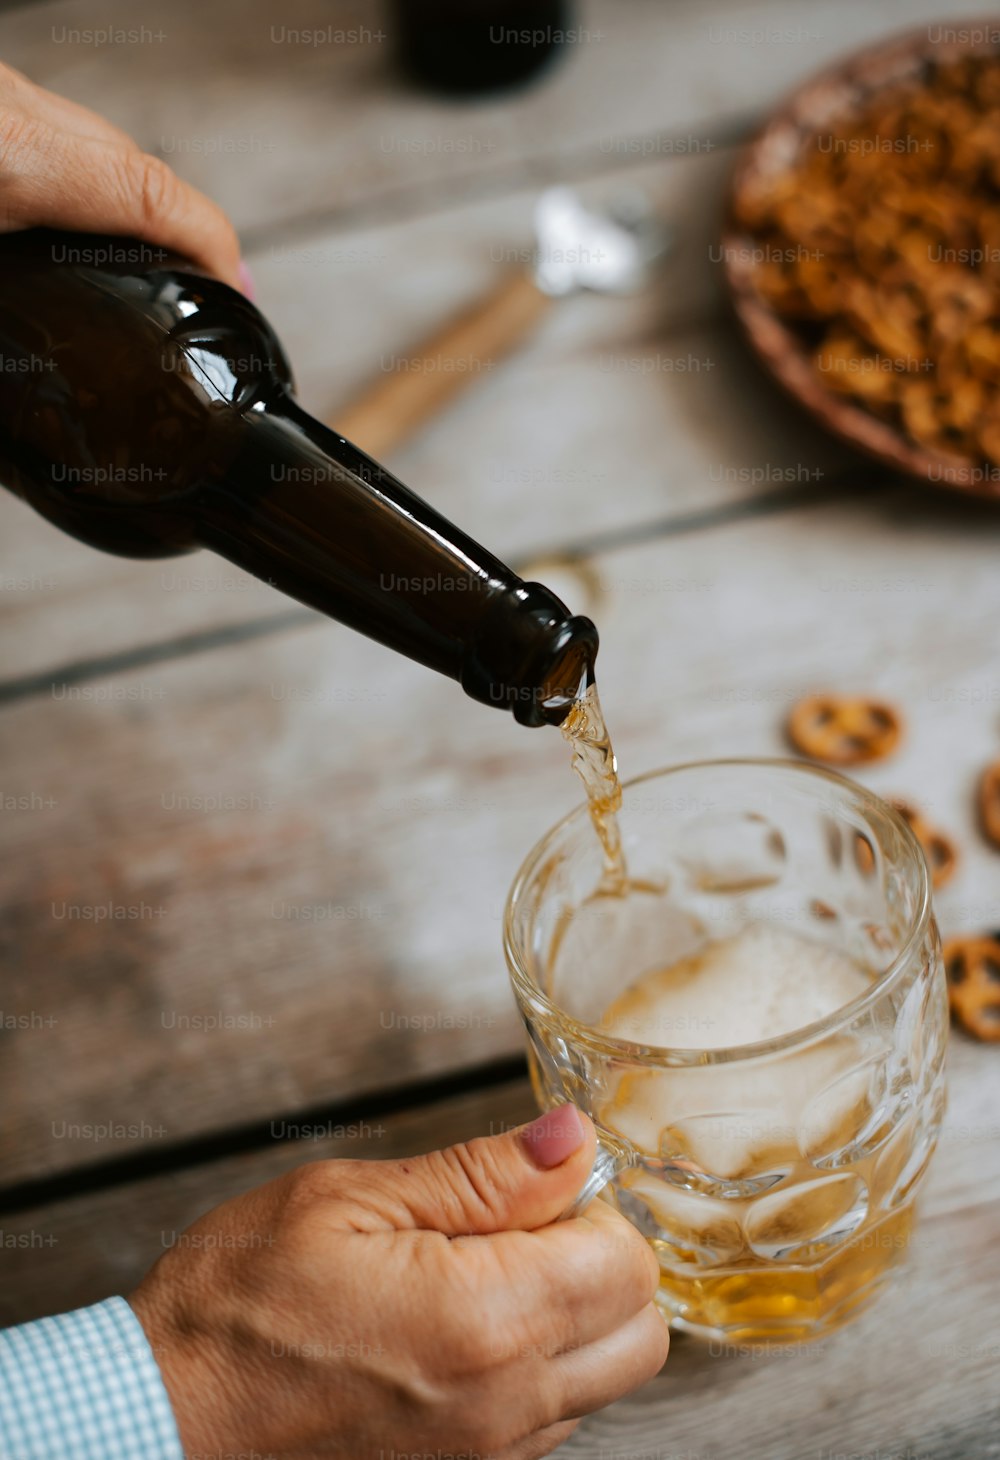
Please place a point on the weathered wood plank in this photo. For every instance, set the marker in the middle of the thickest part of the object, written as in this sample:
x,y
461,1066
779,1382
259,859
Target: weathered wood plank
x,y
260,866
299,115
848,1394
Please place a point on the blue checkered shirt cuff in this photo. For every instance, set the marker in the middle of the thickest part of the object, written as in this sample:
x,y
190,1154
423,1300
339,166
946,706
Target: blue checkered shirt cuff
x,y
84,1386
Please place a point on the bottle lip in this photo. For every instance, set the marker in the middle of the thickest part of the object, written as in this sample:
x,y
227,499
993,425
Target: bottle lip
x,y
557,678
531,656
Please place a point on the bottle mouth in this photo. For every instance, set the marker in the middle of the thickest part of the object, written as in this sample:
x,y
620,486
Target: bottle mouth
x,y
559,681
531,656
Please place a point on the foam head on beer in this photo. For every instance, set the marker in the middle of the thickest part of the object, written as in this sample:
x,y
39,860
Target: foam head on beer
x,y
760,984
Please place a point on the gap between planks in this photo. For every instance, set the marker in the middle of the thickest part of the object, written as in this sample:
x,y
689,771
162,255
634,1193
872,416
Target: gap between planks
x,y
862,478
496,1075
539,170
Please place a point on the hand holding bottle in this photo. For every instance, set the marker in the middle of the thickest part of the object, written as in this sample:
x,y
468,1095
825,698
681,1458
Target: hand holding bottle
x,y
353,1308
63,166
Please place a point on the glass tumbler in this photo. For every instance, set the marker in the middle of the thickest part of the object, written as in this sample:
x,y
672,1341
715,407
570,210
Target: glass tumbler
x,y
776,1179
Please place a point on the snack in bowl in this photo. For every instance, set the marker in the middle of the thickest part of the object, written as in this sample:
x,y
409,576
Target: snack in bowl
x,y
863,252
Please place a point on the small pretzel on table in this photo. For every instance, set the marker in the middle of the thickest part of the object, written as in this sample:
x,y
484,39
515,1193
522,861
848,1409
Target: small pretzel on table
x,y
939,849
972,966
989,802
844,730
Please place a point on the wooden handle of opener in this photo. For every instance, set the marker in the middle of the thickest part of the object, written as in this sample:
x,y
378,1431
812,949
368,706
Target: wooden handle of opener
x,y
393,408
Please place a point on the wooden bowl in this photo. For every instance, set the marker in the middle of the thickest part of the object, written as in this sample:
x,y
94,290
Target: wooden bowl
x,y
826,99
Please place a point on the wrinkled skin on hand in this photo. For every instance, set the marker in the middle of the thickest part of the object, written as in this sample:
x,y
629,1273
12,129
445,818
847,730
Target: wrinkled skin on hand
x,y
354,1308
62,166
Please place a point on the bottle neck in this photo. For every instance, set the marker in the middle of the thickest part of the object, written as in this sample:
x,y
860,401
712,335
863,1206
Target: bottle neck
x,y
305,510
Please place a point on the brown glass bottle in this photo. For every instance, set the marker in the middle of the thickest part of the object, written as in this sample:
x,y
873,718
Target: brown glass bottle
x,y
464,47
148,410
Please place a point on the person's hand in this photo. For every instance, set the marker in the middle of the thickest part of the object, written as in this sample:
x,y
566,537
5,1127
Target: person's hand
x,y
359,1308
62,166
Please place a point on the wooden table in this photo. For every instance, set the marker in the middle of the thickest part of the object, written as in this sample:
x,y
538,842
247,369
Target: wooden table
x,y
311,839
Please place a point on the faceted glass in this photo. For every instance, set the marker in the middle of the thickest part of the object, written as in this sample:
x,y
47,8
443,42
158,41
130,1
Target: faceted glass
x,y
775,1180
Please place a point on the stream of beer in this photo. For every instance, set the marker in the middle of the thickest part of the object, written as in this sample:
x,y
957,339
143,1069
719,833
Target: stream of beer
x,y
594,762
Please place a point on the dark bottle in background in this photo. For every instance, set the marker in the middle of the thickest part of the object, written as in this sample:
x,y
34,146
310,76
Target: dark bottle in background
x,y
464,47
148,410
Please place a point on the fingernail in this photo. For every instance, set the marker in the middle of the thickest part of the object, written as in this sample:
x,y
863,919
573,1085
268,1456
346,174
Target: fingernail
x,y
553,1137
246,281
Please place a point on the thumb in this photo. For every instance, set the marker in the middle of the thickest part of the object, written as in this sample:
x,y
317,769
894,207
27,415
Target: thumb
x,y
520,1180
100,186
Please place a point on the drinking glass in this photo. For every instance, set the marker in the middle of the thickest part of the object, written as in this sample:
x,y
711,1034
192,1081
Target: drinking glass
x,y
775,1180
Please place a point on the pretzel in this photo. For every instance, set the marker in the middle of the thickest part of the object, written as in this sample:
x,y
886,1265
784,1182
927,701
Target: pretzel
x,y
864,856
939,849
989,802
847,366
982,349
972,967
844,730
989,440
923,405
